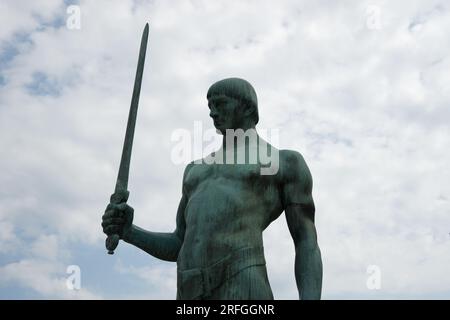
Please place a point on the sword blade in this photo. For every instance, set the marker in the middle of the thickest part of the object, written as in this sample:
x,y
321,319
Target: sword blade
x,y
124,169
120,192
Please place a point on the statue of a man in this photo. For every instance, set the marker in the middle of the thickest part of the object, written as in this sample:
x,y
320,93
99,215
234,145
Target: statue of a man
x,y
224,209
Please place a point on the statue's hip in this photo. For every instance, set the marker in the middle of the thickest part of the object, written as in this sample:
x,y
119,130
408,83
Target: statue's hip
x,y
198,283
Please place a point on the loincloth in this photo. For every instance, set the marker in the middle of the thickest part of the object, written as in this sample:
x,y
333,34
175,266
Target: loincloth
x,y
198,283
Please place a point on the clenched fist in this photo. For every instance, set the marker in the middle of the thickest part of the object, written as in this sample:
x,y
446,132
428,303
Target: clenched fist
x,y
117,219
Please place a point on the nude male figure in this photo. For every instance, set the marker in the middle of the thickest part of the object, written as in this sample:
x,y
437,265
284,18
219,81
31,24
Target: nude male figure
x,y
224,209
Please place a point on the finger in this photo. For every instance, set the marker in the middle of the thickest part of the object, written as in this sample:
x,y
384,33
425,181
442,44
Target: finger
x,y
129,210
122,206
113,213
114,206
110,214
125,209
113,221
112,229
107,230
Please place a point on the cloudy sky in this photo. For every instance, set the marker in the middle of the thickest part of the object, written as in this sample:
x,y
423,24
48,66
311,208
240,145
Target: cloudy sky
x,y
360,88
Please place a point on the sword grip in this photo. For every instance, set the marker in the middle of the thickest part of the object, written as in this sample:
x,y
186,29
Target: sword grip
x,y
112,241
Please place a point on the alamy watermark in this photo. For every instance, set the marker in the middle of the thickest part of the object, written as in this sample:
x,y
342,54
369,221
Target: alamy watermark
x,y
242,147
374,280
73,21
373,17
73,281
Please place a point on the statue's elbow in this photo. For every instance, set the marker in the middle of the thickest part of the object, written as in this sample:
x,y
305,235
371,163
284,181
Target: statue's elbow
x,y
307,244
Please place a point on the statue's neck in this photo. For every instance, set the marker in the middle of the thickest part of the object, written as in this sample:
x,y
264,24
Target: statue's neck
x,y
240,138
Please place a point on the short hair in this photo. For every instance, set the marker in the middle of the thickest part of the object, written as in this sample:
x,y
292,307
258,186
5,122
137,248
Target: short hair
x,y
238,89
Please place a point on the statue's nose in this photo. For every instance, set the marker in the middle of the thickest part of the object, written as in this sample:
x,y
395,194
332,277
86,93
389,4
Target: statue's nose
x,y
213,114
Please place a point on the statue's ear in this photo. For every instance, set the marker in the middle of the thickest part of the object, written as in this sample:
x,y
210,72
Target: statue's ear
x,y
248,110
249,113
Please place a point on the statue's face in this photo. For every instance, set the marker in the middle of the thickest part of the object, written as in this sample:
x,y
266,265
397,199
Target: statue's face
x,y
226,112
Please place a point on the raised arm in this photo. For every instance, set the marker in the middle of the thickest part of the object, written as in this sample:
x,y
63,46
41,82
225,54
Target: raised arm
x,y
299,209
165,246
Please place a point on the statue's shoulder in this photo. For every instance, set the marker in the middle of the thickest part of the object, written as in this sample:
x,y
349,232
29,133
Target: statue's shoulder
x,y
292,164
195,170
188,169
291,157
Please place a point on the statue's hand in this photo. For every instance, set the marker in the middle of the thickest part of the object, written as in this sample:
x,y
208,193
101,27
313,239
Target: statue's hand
x,y
118,219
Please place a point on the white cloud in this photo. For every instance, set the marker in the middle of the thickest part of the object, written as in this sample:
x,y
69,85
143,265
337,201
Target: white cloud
x,y
43,277
161,277
43,270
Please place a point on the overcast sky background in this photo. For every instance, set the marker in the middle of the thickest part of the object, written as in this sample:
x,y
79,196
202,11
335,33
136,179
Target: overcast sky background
x,y
360,88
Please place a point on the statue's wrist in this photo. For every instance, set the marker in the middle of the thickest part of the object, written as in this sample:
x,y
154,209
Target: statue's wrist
x,y
128,234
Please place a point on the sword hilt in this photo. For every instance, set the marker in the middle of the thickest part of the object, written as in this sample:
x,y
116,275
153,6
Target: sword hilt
x,y
112,241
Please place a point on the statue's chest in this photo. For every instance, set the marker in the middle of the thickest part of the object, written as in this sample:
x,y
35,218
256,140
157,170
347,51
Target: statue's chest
x,y
240,175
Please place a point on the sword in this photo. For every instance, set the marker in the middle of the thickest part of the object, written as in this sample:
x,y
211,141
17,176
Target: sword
x,y
120,192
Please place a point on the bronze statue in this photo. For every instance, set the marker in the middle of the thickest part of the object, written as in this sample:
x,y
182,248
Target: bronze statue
x,y
224,209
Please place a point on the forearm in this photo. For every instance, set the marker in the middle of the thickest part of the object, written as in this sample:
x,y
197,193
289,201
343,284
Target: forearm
x,y
164,246
308,270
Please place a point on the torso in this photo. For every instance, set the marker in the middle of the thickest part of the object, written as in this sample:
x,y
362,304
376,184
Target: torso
x,y
228,208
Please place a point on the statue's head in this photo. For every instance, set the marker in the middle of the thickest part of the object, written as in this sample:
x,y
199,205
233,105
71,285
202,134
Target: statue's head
x,y
233,104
